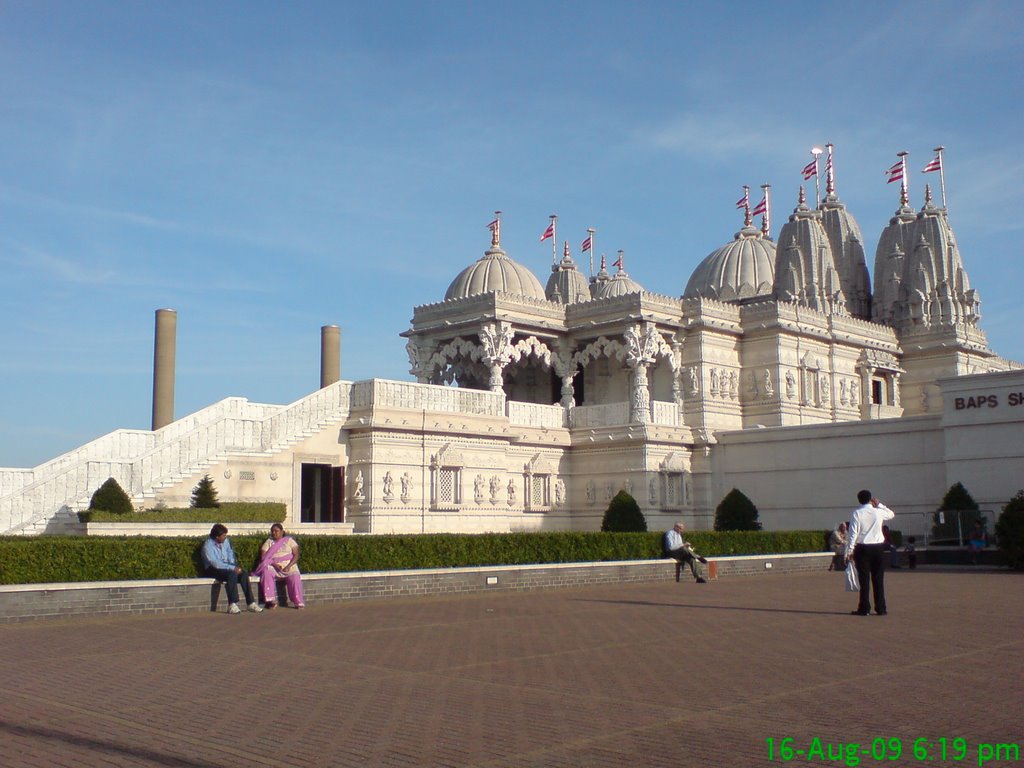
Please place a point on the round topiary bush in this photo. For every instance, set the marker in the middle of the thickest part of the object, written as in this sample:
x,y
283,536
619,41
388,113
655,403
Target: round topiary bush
x,y
736,512
110,497
1010,532
624,516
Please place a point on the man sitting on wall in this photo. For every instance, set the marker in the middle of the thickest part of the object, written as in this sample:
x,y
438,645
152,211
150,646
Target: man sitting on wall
x,y
678,548
222,565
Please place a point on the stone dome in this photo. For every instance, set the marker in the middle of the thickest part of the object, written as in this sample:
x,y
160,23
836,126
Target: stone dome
x,y
495,271
567,285
619,285
740,269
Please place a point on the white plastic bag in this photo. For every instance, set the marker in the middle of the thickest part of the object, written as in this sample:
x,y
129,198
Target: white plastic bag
x,y
852,582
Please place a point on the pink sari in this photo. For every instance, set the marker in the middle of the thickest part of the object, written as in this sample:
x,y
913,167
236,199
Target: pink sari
x,y
280,553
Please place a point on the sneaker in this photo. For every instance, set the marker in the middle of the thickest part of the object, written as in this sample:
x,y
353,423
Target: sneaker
x,y
701,581
255,608
233,608
270,606
300,605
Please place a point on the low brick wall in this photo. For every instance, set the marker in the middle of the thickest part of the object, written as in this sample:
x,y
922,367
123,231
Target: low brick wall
x,y
26,602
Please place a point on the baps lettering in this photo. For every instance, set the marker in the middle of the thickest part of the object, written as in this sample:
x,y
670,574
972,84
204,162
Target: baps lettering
x,y
1015,399
976,401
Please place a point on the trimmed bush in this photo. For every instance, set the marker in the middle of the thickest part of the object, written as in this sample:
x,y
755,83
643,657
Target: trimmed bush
x,y
110,497
44,559
963,511
623,515
204,495
736,512
228,512
1010,532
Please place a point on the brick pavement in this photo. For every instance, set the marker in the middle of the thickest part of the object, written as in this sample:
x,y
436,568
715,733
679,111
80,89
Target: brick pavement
x,y
658,674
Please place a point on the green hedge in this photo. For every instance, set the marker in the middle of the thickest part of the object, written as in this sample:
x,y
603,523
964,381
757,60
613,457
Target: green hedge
x,y
228,512
44,559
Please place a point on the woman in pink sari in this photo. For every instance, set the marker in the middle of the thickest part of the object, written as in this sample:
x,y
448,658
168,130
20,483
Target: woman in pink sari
x,y
279,557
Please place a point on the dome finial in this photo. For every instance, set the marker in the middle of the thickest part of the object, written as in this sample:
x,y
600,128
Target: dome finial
x,y
801,200
495,227
927,195
620,262
830,174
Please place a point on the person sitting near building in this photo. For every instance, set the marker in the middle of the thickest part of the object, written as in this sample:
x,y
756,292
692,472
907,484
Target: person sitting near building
x,y
911,550
674,545
279,561
222,565
977,541
837,542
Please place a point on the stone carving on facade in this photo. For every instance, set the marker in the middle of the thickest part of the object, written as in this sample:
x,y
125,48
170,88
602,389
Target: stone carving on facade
x,y
825,390
478,489
388,487
734,385
357,492
496,343
495,488
406,481
609,490
714,381
628,486
790,385
559,492
642,346
448,456
511,492
591,493
754,385
843,397
854,386
769,387
652,491
691,377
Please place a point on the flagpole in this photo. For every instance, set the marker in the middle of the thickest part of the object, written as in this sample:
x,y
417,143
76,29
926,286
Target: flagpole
x,y
830,172
590,232
766,219
815,153
904,184
942,174
554,239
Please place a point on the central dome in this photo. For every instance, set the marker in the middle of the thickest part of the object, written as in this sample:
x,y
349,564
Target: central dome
x,y
740,269
494,272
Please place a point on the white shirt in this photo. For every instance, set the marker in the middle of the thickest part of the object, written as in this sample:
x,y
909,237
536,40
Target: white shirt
x,y
674,540
866,525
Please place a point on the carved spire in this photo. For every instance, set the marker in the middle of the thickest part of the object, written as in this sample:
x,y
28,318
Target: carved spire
x,y
495,227
928,196
801,200
830,174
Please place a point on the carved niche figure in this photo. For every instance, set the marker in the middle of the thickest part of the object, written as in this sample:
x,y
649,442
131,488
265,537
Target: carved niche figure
x,y
559,492
824,390
691,375
843,398
478,489
609,490
495,488
406,481
652,490
734,385
790,385
769,388
357,494
714,381
591,493
388,487
511,492
853,393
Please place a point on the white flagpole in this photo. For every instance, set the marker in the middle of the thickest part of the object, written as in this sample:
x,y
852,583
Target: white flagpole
x,y
766,221
942,174
904,182
554,239
590,232
815,153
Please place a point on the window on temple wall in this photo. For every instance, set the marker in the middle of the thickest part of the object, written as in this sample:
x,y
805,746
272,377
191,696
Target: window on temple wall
x,y
448,487
540,492
672,490
878,391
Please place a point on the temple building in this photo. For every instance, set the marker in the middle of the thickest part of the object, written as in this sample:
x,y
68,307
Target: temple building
x,y
781,368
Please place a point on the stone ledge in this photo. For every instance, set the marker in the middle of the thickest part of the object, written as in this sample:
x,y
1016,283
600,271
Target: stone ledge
x,y
28,602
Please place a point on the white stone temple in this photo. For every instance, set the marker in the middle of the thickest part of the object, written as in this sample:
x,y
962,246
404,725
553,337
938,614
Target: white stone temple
x,y
782,369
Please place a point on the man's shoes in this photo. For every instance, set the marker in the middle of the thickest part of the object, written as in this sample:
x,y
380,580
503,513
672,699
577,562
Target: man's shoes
x,y
271,606
703,559
881,613
255,608
233,608
858,613
701,581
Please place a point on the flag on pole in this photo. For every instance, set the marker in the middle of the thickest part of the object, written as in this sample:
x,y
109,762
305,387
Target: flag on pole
x,y
895,172
761,207
744,201
587,244
934,165
493,225
618,262
810,170
828,163
549,232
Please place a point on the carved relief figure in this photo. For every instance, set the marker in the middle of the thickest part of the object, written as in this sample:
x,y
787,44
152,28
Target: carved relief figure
x,y
824,389
853,393
357,494
609,490
495,488
790,385
406,480
388,487
734,385
511,492
652,490
843,398
769,388
691,376
591,493
478,489
714,381
559,492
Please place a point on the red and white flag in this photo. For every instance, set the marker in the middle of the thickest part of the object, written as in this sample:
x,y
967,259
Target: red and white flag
x,y
549,232
587,244
934,165
810,170
744,201
761,207
618,262
493,225
895,173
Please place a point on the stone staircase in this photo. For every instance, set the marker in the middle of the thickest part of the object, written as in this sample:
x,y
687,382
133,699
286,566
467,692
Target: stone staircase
x,y
47,498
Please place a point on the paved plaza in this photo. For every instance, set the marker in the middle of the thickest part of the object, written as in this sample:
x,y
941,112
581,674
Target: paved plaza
x,y
659,674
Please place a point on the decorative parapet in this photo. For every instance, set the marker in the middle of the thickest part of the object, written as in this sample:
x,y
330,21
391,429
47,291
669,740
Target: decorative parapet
x,y
383,393
536,415
608,415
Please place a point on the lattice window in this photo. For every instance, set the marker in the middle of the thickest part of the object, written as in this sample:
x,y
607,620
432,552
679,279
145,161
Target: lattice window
x,y
672,490
447,490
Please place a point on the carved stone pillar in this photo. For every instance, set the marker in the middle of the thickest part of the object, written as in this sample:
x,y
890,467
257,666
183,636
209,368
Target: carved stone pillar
x,y
640,396
677,373
496,342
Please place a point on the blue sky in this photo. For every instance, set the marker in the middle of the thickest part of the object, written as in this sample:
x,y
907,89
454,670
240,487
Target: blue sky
x,y
268,168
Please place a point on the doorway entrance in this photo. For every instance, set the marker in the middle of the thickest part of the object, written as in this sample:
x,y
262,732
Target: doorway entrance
x,y
323,494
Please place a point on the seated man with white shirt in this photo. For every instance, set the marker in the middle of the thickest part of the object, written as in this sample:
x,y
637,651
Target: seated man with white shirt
x,y
866,546
678,548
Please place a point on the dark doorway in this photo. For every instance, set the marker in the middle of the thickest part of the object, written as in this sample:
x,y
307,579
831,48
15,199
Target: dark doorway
x,y
323,494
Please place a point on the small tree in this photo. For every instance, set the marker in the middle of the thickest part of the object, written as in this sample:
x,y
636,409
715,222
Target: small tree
x,y
623,515
110,497
204,495
1010,532
736,513
962,509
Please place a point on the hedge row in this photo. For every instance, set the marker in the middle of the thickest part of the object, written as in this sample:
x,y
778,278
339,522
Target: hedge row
x,y
228,512
48,559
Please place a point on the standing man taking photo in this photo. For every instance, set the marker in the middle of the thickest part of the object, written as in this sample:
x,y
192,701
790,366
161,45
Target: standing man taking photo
x,y
865,545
